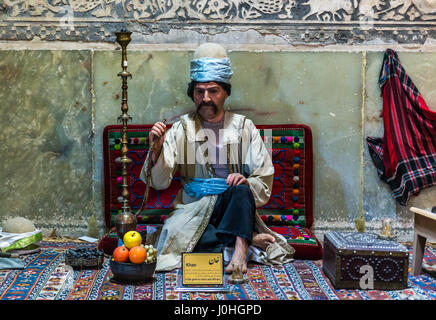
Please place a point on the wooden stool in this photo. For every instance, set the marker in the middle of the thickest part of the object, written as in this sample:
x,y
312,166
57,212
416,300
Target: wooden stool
x,y
425,227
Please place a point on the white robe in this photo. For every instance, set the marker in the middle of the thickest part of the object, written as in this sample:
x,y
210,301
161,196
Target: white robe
x,y
185,150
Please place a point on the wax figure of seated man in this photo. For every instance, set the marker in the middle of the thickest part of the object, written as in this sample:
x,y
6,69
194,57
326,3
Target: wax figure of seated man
x,y
225,169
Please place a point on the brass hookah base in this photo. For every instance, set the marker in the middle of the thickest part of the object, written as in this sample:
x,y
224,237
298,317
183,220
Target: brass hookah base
x,y
125,222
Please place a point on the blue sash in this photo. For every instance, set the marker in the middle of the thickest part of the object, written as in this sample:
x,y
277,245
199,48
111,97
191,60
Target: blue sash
x,y
203,187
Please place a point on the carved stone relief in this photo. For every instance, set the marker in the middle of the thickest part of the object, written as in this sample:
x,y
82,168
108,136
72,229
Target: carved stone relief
x,y
298,21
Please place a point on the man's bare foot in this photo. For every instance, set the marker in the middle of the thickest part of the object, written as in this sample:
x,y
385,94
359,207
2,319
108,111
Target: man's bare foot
x,y
262,240
239,256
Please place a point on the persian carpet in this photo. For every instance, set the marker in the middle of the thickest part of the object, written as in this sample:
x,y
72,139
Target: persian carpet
x,y
47,277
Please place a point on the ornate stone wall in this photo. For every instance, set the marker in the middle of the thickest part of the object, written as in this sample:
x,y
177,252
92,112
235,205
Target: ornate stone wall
x,y
295,21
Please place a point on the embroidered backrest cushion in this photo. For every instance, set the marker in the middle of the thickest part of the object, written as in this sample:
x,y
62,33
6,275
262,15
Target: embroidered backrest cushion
x,y
291,199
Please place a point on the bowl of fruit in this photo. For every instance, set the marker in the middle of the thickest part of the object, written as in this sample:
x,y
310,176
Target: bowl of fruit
x,y
133,262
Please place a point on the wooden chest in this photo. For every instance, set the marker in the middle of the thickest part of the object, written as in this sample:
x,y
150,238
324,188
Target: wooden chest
x,y
353,260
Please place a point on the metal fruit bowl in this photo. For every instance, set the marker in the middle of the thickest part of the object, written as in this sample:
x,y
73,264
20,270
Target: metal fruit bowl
x,y
131,272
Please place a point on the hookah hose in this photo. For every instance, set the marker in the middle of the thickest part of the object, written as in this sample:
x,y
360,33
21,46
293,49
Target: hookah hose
x,y
16,253
147,173
8,255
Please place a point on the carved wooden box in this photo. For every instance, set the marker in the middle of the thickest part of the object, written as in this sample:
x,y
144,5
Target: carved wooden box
x,y
353,260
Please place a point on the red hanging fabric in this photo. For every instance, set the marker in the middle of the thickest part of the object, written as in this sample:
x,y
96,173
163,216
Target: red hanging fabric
x,y
405,157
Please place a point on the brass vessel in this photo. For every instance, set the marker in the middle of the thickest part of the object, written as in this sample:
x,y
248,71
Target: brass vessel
x,y
124,222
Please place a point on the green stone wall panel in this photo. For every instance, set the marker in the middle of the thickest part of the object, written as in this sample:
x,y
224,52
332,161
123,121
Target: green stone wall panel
x,y
157,88
156,91
377,199
46,138
322,90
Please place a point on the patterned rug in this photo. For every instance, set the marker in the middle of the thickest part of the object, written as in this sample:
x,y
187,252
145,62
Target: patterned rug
x,y
47,277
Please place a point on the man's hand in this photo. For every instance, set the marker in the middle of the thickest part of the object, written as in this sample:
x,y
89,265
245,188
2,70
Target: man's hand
x,y
157,134
235,179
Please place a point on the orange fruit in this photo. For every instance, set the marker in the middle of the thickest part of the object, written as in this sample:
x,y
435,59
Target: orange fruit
x,y
121,254
137,254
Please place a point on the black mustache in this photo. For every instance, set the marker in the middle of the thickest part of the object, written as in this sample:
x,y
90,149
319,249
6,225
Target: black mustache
x,y
208,104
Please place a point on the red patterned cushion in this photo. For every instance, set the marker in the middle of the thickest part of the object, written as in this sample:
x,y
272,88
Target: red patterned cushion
x,y
291,200
306,245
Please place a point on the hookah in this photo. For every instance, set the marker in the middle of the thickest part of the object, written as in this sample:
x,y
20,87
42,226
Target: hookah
x,y
124,221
